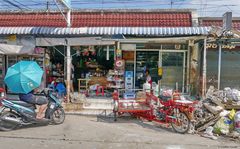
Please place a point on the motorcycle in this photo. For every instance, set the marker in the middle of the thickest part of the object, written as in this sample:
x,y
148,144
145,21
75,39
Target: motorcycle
x,y
179,113
16,113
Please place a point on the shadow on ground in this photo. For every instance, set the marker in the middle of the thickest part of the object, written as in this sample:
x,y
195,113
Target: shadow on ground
x,y
130,119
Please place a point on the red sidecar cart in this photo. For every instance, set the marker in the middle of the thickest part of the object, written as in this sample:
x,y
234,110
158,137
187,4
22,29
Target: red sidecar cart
x,y
164,110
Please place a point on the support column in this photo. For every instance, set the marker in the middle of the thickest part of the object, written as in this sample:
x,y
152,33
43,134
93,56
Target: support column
x,y
204,75
188,67
219,65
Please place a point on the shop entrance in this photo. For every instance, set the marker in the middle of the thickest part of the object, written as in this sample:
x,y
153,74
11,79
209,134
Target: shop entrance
x,y
172,63
173,70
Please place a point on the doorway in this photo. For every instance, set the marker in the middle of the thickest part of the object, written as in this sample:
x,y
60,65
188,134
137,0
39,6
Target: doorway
x,y
173,64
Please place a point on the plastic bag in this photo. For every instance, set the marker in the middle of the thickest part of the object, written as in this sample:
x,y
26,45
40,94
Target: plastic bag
x,y
223,126
93,87
232,114
237,121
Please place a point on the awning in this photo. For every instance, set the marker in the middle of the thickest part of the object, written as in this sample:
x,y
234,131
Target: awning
x,y
151,31
84,41
15,49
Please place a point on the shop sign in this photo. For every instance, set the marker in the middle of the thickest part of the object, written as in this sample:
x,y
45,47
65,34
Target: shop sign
x,y
12,37
128,55
119,64
214,46
227,21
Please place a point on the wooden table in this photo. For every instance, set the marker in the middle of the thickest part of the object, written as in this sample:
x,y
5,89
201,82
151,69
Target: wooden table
x,y
83,81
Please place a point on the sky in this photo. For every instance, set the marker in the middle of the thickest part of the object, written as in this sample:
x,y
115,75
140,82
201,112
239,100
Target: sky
x,y
204,8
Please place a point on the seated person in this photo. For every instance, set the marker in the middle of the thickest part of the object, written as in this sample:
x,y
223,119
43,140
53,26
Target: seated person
x,y
61,90
41,101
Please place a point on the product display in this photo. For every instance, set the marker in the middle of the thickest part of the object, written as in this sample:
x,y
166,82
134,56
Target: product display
x,y
116,77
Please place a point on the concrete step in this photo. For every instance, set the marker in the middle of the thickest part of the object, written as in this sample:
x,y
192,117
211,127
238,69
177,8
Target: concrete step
x,y
72,107
98,104
91,112
90,106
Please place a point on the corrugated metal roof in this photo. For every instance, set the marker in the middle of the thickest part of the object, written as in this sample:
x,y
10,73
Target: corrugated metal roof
x,y
101,18
151,31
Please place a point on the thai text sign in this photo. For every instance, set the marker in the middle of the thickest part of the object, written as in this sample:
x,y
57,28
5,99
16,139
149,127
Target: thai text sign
x,y
214,46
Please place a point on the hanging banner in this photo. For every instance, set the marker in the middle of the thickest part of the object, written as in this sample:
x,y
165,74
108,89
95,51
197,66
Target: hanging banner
x,y
66,3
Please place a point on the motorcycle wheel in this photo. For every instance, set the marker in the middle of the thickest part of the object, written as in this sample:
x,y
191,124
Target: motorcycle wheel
x,y
58,116
6,126
182,123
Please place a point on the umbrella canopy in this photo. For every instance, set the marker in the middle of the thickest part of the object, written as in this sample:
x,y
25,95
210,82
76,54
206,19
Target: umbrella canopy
x,y
23,77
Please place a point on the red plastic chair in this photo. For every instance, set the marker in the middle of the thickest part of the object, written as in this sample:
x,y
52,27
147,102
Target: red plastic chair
x,y
100,89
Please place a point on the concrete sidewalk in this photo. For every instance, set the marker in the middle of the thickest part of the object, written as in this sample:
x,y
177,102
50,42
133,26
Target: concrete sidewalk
x,y
84,106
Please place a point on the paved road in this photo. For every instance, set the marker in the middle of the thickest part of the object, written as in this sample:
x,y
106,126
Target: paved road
x,y
80,132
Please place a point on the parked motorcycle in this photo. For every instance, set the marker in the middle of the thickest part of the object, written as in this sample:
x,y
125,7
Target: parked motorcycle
x,y
17,113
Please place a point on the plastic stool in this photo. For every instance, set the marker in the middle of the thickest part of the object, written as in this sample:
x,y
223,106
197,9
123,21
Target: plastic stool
x,y
102,90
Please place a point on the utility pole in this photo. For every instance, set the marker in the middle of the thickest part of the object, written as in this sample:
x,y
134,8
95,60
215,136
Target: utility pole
x,y
69,60
67,5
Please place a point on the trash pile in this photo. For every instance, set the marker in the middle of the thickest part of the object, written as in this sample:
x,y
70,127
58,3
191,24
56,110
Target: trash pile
x,y
218,114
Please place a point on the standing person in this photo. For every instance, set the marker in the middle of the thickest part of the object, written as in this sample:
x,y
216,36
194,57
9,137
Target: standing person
x,y
148,77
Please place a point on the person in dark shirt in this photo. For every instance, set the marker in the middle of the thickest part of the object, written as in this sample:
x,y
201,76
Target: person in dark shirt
x,y
41,101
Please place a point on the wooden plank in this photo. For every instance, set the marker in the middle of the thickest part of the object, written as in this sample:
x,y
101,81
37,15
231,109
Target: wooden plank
x,y
230,107
211,122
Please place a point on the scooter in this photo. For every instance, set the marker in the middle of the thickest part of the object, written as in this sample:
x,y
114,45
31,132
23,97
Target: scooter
x,y
15,113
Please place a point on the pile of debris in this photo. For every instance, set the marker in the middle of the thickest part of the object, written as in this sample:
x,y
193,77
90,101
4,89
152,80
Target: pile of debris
x,y
217,114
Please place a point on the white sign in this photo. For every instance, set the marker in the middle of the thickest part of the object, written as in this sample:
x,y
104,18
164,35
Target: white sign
x,y
227,21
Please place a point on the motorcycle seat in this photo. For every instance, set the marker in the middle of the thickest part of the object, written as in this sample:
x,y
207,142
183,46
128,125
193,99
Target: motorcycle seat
x,y
22,103
164,98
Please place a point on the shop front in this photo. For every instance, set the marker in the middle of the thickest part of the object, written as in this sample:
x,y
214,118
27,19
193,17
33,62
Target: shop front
x,y
167,64
226,73
99,58
91,61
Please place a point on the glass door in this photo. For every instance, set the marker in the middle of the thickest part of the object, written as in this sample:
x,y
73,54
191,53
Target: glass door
x,y
146,60
173,70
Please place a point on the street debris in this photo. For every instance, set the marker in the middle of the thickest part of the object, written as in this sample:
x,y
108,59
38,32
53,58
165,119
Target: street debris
x,y
218,113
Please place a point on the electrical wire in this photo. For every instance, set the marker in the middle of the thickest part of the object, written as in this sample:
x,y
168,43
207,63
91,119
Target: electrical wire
x,y
203,7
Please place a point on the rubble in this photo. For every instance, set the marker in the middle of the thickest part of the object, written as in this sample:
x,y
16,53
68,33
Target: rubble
x,y
216,113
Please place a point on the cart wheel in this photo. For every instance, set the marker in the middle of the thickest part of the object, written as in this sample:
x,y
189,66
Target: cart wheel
x,y
182,123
